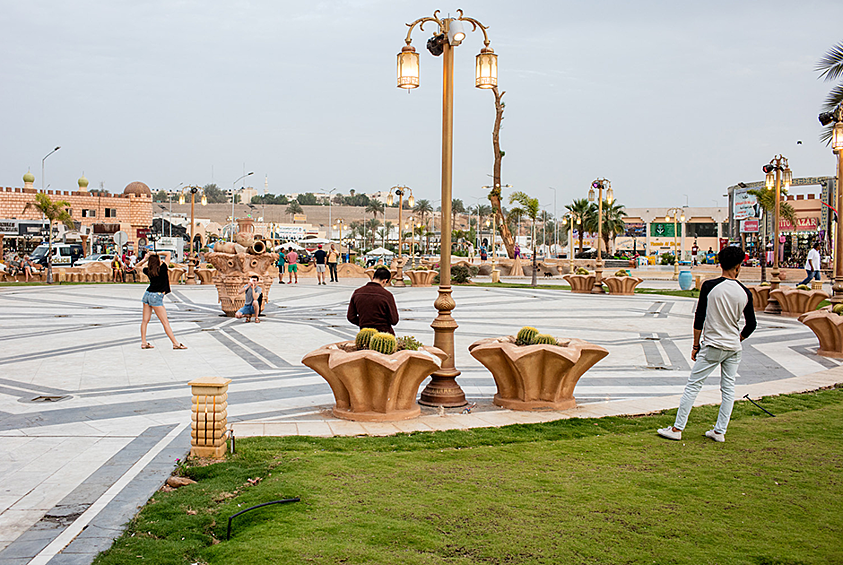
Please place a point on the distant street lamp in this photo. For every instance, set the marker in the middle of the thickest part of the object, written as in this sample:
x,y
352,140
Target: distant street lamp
x,y
340,223
191,276
555,222
399,191
170,201
680,214
42,164
778,172
233,218
569,220
837,147
600,184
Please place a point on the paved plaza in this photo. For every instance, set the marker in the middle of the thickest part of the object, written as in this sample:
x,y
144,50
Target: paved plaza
x,y
90,424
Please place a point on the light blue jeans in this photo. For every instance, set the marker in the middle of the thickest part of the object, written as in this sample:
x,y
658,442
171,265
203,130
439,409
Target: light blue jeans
x,y
708,358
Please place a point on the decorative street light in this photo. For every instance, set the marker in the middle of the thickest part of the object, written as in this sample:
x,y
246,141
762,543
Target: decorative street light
x,y
42,164
680,214
778,172
191,276
340,223
600,184
233,218
555,222
837,147
170,201
443,389
400,191
568,220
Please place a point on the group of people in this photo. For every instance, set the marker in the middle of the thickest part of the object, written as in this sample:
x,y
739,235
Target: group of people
x,y
326,261
15,265
123,266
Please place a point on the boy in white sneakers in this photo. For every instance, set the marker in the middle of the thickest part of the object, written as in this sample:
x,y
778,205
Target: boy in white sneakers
x,y
717,342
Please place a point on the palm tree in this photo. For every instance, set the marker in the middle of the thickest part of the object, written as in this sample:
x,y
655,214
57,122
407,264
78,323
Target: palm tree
x,y
387,226
371,226
54,212
613,224
529,207
767,200
375,207
294,208
457,207
831,68
423,208
584,210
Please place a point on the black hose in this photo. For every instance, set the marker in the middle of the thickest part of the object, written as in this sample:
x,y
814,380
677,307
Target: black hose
x,y
761,407
228,531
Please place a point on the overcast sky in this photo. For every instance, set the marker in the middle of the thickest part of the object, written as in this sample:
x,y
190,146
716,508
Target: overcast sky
x,y
666,99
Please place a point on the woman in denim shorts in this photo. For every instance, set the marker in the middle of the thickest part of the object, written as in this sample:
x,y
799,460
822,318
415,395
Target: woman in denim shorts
x,y
153,298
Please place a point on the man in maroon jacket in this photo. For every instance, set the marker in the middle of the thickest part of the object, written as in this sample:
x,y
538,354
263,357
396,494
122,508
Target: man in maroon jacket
x,y
372,306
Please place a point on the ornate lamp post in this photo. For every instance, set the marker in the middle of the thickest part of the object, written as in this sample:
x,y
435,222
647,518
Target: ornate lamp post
x,y
568,220
400,191
837,147
778,172
233,217
600,184
443,389
191,276
340,223
680,214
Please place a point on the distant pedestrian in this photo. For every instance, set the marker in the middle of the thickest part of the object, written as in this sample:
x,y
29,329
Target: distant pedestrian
x,y
252,305
282,260
812,265
372,306
717,342
483,253
517,252
292,265
321,264
333,258
117,269
153,298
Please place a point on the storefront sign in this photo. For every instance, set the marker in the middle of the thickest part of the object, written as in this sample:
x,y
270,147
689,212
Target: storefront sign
x,y
143,232
744,204
749,226
106,228
31,228
802,224
635,230
8,227
665,229
290,232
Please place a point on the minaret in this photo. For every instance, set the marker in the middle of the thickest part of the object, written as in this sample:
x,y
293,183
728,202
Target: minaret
x,y
28,179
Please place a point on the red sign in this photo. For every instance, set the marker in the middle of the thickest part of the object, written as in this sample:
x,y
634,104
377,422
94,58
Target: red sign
x,y
143,232
802,224
749,226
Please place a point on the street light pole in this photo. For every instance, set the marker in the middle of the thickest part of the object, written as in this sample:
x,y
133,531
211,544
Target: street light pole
x,y
340,223
331,208
233,219
600,184
555,221
677,213
400,191
170,201
777,171
837,147
191,275
42,165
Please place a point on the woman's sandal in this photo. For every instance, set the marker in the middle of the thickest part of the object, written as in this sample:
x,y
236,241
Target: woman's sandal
x,y
148,346
180,346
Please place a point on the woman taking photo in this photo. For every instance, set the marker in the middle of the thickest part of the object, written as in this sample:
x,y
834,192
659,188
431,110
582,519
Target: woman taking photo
x,y
153,298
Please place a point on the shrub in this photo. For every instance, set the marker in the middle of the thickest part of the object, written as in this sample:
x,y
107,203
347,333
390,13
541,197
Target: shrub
x,y
460,274
667,259
383,342
363,338
409,343
526,335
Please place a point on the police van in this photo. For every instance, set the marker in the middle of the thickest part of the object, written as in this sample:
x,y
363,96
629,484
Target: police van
x,y
64,254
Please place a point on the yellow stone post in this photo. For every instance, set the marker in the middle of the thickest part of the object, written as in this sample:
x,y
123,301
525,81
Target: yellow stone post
x,y
208,415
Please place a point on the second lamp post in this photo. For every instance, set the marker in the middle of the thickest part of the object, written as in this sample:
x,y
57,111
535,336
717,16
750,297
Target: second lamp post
x,y
600,184
192,190
399,191
678,214
778,172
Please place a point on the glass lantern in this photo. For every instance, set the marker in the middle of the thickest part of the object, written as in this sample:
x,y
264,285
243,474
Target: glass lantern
x,y
486,69
787,178
837,137
411,201
408,68
771,180
591,195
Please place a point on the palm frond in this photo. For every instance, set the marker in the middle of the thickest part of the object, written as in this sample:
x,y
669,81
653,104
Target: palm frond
x,y
834,98
831,64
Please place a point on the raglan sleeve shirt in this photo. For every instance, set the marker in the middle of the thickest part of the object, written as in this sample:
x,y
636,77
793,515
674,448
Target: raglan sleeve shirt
x,y
719,309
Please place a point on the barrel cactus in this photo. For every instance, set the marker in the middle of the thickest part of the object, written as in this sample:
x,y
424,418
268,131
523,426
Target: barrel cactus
x,y
803,287
544,339
765,283
838,309
363,337
622,273
383,342
526,335
581,271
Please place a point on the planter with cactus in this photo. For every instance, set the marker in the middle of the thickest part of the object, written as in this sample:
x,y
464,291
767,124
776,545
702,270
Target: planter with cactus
x,y
175,273
622,283
376,377
827,325
797,301
581,281
760,296
421,276
536,371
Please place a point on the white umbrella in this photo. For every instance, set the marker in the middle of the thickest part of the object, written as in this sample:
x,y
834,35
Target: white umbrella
x,y
287,246
381,251
315,240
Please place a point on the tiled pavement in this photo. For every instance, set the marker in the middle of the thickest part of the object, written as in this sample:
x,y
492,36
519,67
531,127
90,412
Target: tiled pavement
x,y
76,467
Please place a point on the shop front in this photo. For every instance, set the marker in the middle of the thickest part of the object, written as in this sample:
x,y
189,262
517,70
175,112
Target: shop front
x,y
22,236
796,241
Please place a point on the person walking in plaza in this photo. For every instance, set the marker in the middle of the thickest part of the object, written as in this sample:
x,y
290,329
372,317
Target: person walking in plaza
x,y
717,342
292,265
812,265
153,298
321,264
252,306
333,258
372,306
282,259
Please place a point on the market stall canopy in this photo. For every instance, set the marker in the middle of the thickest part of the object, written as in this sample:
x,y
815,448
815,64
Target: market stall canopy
x,y
315,240
295,246
380,251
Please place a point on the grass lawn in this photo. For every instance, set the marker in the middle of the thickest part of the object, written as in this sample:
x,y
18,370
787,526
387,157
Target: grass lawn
x,y
573,491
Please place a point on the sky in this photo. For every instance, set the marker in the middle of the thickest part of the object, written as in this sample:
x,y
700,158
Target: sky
x,y
672,101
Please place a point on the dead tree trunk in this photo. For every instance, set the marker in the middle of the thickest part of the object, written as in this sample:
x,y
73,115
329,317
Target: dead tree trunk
x,y
495,194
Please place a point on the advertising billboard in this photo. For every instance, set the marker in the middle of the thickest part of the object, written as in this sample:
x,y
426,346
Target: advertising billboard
x,y
745,205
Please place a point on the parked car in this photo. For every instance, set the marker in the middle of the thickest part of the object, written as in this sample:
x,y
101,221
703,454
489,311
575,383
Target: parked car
x,y
104,258
64,254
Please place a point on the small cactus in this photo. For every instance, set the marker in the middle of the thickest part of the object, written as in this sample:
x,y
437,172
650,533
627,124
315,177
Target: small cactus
x,y
383,342
526,335
363,337
838,309
765,283
803,287
622,273
544,339
581,271
409,343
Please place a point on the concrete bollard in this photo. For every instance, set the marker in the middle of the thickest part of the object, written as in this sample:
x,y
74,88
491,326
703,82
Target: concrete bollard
x,y
208,415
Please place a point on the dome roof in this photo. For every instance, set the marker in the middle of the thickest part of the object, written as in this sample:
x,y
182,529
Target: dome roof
x,y
82,182
137,187
28,177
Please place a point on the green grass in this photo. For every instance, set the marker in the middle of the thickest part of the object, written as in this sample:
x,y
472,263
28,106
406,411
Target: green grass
x,y
573,491
523,285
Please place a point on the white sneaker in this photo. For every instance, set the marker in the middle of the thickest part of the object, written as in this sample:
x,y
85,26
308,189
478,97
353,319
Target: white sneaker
x,y
669,433
715,436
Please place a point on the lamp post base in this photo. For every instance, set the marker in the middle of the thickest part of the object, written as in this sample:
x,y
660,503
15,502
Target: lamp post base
x,y
443,390
837,289
598,278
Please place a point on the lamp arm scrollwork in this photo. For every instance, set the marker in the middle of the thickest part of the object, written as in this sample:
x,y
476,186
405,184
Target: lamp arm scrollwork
x,y
420,22
474,25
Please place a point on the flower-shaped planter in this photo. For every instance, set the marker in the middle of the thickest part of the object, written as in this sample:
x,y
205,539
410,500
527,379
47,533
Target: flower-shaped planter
x,y
760,296
532,377
370,272
828,327
795,302
622,285
175,274
421,278
372,387
205,276
581,284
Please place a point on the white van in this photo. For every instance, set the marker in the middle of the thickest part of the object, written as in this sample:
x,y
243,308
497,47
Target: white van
x,y
64,254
